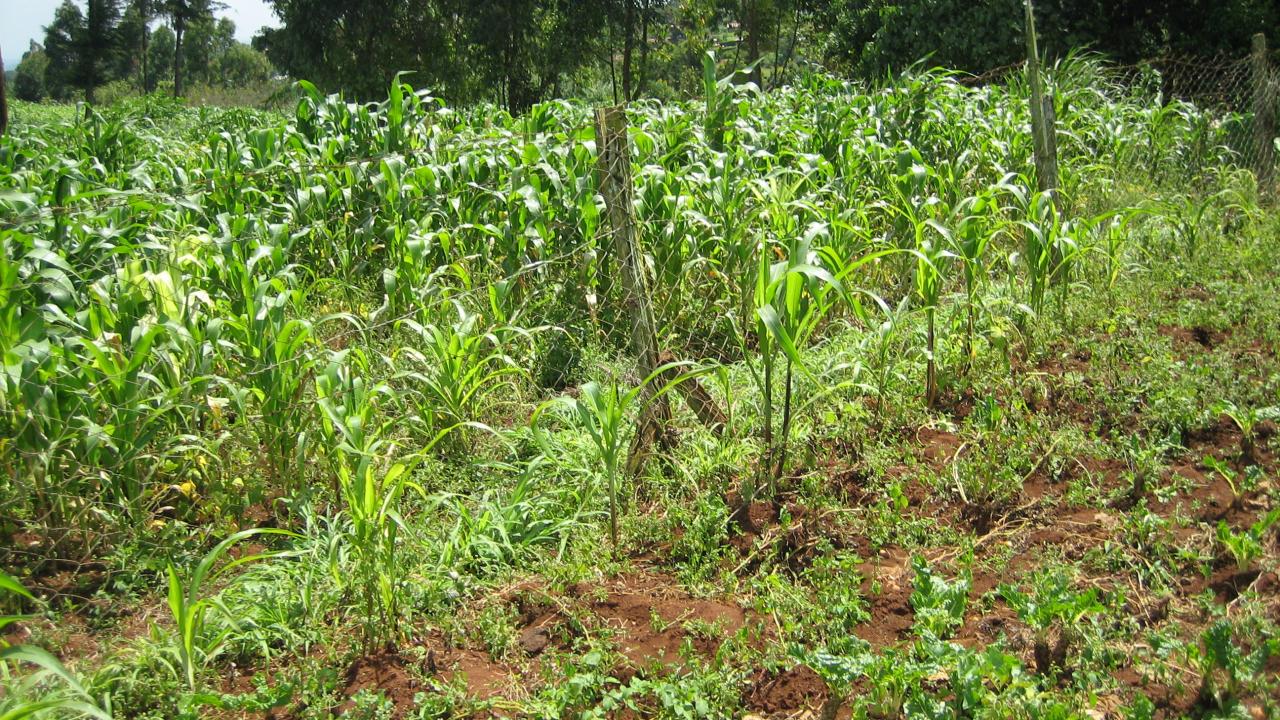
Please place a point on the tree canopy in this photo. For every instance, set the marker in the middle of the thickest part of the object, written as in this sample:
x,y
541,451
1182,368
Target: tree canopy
x,y
519,52
138,42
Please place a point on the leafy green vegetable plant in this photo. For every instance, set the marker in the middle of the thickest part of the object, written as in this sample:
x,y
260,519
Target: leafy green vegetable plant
x,y
939,604
838,671
1051,606
1225,668
1246,546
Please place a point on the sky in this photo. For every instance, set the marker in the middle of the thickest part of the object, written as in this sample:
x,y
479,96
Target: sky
x,y
22,21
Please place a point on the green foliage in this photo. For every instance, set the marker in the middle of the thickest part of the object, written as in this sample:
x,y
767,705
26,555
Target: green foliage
x,y
872,37
1247,420
1245,547
1240,483
1052,605
602,412
1225,668
28,78
939,604
838,671
370,484
458,370
52,689
194,645
502,528
326,320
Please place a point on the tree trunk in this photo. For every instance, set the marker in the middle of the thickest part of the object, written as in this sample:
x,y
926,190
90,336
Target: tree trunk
x,y
628,40
777,47
179,29
752,23
146,42
4,102
644,48
791,47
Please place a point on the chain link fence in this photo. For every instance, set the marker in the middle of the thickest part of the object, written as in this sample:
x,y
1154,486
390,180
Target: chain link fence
x,y
1239,92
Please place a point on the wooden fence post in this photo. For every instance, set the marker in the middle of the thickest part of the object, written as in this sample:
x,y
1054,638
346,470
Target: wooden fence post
x,y
1044,143
1264,118
1049,116
613,163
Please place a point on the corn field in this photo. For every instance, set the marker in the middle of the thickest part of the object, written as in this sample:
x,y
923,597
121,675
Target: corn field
x,y
341,378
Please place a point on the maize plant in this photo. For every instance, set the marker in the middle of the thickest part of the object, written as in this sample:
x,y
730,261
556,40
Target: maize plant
x,y
602,411
196,643
369,485
458,370
34,695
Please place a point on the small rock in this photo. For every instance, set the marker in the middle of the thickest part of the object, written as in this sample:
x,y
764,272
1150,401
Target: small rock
x,y
534,640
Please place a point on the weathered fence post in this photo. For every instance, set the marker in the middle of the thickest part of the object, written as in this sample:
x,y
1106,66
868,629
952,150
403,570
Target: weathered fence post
x,y
613,163
1264,118
1044,142
1044,133
1049,116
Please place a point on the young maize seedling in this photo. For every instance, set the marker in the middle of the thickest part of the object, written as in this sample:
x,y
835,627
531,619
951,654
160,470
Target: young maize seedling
x,y
192,646
1247,420
369,486
15,703
602,411
1240,484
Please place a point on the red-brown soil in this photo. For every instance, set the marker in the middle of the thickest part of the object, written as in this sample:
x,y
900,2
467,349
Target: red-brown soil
x,y
787,692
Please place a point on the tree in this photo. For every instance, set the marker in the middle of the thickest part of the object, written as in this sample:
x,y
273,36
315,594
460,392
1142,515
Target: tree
x,y
134,37
161,52
81,47
359,47
62,46
181,14
28,77
201,47
867,37
515,51
633,19
751,17
241,65
97,43
524,46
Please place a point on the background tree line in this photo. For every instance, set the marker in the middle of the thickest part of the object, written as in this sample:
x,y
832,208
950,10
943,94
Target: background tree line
x,y
145,44
519,52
